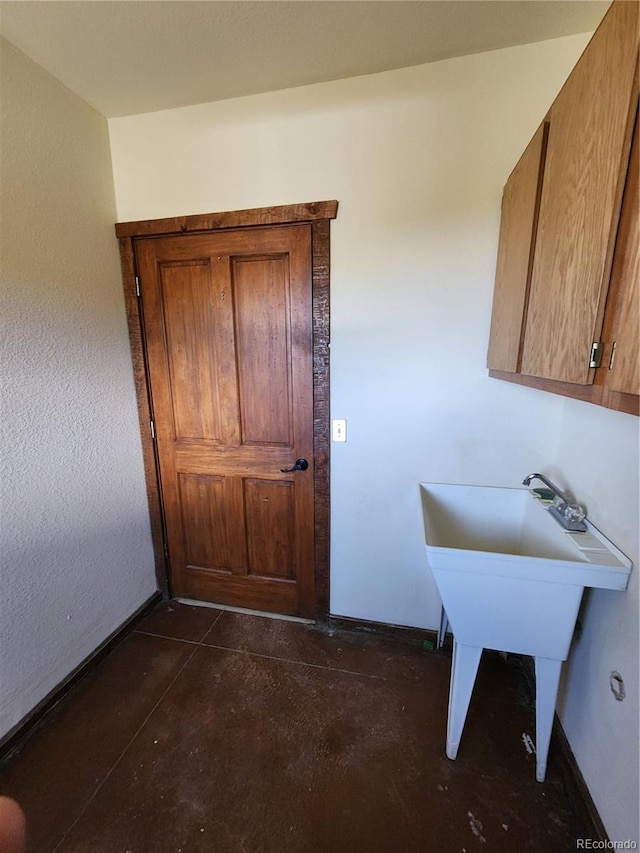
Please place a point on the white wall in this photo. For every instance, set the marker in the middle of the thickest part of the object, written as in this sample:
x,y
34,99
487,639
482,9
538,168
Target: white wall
x,y
75,541
417,159
597,456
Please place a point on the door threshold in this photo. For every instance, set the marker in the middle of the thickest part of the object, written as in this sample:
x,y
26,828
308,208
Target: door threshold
x,y
194,603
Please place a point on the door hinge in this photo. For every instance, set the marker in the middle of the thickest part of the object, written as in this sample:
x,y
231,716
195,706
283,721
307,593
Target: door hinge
x,y
613,355
596,354
153,429
137,286
166,550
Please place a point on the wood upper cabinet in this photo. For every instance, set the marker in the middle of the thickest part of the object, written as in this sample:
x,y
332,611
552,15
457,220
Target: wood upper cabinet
x,y
554,294
518,223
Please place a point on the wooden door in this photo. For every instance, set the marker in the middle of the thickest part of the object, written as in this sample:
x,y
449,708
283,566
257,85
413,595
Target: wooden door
x,y
228,333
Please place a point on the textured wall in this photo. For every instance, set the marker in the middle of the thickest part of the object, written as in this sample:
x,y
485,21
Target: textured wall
x,y
417,159
75,543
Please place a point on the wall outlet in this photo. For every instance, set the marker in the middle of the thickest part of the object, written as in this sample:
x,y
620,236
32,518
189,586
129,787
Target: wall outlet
x,y
339,429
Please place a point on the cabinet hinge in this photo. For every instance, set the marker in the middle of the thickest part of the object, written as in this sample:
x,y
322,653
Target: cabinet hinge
x,y
137,286
166,550
597,348
153,429
613,355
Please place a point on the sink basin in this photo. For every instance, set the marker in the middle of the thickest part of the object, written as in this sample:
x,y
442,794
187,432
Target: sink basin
x,y
510,578
498,552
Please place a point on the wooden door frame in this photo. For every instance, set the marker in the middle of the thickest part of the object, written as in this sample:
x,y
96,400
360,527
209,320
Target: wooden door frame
x,y
318,215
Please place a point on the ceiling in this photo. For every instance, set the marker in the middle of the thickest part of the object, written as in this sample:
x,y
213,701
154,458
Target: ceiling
x,y
134,56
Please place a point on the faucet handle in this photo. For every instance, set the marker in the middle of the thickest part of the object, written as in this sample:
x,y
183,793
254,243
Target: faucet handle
x,y
574,513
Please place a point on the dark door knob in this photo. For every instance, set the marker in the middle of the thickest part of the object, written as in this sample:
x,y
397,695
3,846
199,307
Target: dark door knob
x,y
301,465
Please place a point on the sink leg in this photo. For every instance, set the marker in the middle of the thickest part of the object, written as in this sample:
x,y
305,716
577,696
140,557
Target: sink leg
x,y
547,679
463,675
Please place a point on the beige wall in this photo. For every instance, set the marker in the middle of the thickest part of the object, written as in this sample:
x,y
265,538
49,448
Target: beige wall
x,y
75,542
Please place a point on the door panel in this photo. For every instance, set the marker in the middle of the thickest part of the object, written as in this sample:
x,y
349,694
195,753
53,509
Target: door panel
x,y
625,372
228,331
271,539
260,287
207,543
189,331
518,222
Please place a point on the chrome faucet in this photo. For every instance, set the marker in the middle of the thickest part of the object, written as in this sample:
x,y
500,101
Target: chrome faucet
x,y
556,491
570,515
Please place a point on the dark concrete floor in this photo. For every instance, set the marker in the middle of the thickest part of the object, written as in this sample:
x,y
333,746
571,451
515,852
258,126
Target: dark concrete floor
x,y
207,731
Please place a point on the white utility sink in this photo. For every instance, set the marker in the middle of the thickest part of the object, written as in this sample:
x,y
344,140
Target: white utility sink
x,y
510,578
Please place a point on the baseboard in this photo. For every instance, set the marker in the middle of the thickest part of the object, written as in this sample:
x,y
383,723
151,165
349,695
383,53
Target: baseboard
x,y
576,787
413,636
20,731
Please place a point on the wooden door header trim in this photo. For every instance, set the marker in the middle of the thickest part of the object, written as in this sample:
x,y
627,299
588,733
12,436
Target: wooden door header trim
x,y
277,215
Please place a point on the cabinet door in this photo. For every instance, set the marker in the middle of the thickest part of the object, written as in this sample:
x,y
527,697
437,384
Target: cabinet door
x,y
589,136
518,221
624,375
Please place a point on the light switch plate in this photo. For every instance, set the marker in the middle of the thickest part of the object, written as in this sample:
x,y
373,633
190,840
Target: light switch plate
x,y
339,426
